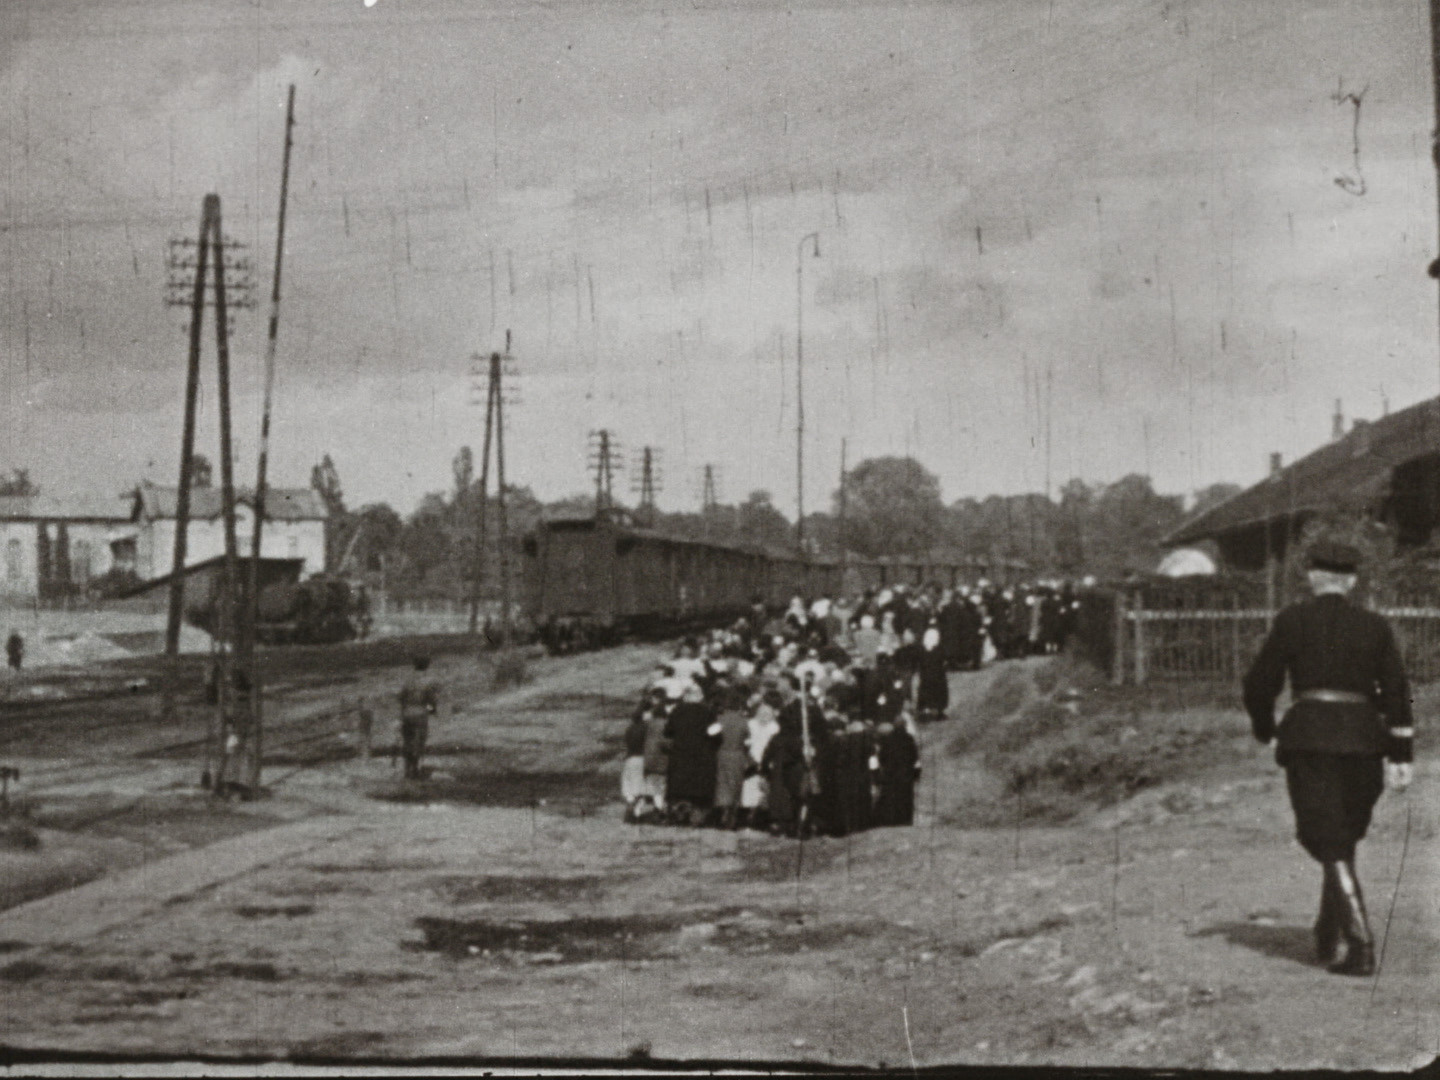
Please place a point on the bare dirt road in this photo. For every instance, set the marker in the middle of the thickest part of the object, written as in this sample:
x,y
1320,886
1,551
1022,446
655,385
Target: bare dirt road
x,y
1136,901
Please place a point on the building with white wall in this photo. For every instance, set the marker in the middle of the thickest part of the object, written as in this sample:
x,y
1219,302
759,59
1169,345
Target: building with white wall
x,y
52,547
294,527
56,545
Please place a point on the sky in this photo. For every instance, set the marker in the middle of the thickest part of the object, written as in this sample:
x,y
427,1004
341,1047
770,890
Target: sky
x,y
1076,238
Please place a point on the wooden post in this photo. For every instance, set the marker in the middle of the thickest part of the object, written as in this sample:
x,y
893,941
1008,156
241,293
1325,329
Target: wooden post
x,y
1117,670
229,610
1235,637
211,207
1140,658
252,620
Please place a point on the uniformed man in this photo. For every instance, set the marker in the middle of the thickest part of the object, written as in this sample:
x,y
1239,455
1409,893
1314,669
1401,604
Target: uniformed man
x,y
419,700
1351,715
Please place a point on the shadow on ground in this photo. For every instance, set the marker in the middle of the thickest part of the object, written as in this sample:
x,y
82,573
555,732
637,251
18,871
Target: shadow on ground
x,y
1295,943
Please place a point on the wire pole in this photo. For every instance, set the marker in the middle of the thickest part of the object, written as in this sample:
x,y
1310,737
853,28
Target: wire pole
x,y
800,386
1435,74
253,621
844,546
230,580
210,209
480,504
495,375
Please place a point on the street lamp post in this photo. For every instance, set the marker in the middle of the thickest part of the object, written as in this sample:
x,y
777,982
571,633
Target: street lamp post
x,y
800,385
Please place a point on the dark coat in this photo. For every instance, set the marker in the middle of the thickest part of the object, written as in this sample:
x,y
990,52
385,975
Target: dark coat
x,y
899,763
692,755
933,694
731,758
1328,643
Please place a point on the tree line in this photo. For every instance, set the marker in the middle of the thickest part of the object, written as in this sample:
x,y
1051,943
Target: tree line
x,y
890,506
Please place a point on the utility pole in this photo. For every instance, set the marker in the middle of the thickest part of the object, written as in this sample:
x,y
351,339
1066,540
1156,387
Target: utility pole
x,y
495,373
605,461
800,386
187,454
844,540
494,370
1435,77
206,262
477,367
230,739
647,485
253,616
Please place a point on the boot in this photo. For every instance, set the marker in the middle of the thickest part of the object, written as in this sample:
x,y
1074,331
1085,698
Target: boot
x,y
1328,926
1355,927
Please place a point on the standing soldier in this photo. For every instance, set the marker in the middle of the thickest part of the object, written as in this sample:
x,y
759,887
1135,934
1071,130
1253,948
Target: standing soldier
x,y
15,650
1351,714
419,700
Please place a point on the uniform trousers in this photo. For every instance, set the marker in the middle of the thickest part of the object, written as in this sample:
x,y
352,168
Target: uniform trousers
x,y
1333,796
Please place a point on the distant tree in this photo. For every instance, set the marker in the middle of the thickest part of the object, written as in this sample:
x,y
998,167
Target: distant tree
x,y
1127,524
893,507
761,525
375,541
18,484
202,473
1076,506
325,480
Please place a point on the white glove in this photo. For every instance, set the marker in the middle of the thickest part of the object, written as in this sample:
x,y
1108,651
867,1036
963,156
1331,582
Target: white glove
x,y
1398,775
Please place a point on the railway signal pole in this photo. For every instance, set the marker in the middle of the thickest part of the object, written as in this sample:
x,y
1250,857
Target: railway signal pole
x,y
252,620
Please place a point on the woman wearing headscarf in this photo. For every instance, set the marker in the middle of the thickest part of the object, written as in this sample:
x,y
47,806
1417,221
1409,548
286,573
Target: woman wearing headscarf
x,y
762,728
932,697
730,758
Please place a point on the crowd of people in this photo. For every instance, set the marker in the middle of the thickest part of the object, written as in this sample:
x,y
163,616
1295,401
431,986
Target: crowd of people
x,y
806,721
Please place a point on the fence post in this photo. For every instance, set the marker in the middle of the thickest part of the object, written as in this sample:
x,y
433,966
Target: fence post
x,y
1140,658
1235,637
1117,673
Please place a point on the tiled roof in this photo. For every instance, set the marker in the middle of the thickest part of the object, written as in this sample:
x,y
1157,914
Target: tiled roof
x,y
65,508
281,504
1356,467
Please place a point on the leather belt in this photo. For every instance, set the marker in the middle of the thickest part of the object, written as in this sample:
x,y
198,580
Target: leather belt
x,y
1334,697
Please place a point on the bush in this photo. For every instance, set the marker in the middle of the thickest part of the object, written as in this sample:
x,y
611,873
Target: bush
x,y
511,669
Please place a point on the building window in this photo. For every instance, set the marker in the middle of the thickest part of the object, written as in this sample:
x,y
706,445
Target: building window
x,y
14,561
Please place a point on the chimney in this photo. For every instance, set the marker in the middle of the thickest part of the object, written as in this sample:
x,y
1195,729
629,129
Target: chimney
x,y
1275,463
1337,428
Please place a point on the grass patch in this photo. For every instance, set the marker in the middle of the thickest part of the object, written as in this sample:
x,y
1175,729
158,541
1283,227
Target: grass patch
x,y
1085,744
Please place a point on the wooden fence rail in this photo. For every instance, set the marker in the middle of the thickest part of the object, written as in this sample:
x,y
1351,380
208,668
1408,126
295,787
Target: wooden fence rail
x,y
1218,645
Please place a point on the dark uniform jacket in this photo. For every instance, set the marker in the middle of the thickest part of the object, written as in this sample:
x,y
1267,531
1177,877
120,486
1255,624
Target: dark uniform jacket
x,y
1329,643
419,699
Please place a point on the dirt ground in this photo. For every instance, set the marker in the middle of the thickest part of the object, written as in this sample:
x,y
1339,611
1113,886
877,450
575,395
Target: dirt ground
x,y
500,909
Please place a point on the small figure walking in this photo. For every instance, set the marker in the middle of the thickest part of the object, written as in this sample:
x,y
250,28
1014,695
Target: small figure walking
x,y
419,700
1348,732
15,650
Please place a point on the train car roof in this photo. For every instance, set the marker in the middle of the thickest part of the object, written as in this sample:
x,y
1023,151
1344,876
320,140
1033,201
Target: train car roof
x,y
623,525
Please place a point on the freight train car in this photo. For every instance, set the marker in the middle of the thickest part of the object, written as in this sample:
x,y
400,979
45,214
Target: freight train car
x,y
594,580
